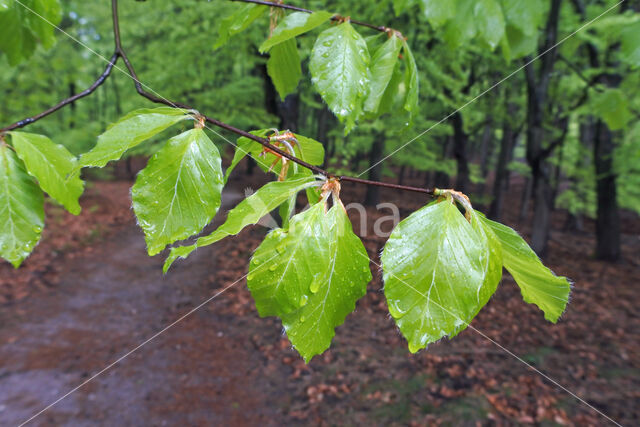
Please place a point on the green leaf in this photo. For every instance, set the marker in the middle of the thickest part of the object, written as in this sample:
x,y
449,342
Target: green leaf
x,y
339,68
341,280
249,211
412,82
611,106
462,27
50,164
630,46
284,67
293,25
382,65
178,193
489,21
523,18
130,131
438,12
307,149
238,22
294,256
21,209
21,29
537,283
434,269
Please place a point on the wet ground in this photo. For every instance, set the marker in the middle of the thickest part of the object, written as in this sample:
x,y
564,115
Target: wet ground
x,y
223,365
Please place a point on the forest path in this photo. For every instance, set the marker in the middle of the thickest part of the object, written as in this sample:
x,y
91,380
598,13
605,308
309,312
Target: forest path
x,y
109,302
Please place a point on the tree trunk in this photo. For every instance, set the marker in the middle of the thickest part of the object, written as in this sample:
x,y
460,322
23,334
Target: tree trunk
x,y
608,219
537,89
460,153
375,174
506,144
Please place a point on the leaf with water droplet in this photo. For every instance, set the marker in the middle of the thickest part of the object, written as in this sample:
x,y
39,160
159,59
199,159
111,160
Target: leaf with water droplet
x,y
293,25
185,177
129,131
538,284
52,165
339,59
433,274
247,212
317,280
21,208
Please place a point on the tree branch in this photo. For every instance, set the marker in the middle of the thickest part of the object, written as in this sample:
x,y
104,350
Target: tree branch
x,y
88,91
120,53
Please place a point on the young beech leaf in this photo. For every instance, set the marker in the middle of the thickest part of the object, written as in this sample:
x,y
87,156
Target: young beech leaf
x,y
130,131
382,65
21,209
439,12
412,82
296,258
238,22
489,21
339,66
293,25
178,193
537,283
434,269
342,280
284,67
51,164
249,211
307,149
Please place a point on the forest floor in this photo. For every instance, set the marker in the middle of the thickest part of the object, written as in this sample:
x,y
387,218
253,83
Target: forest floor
x,y
89,294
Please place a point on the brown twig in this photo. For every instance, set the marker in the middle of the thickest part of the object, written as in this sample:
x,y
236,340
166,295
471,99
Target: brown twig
x,y
120,53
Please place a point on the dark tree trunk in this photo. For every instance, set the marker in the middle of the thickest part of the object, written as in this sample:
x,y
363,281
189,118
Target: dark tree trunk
x,y
441,179
608,219
506,144
537,90
486,152
403,170
460,153
526,198
375,174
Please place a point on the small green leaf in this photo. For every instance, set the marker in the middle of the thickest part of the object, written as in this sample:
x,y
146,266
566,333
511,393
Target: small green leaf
x,y
537,283
434,269
438,12
293,256
630,46
307,149
249,211
284,67
382,65
178,193
130,131
50,164
611,106
339,68
412,81
21,209
341,280
238,22
489,21
22,29
293,25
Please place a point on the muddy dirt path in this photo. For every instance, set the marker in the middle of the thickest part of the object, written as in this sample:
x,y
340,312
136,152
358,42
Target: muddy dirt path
x,y
107,304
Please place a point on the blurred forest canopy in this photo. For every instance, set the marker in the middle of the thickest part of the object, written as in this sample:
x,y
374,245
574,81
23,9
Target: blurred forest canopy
x,y
566,122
